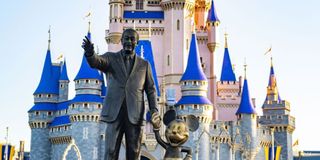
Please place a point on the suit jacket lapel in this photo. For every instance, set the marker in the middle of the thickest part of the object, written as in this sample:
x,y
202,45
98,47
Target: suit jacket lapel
x,y
121,64
135,64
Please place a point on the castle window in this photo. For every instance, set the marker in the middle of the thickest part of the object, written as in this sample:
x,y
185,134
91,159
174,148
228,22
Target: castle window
x,y
95,153
182,107
126,21
65,128
49,113
61,85
195,106
139,4
139,21
214,126
87,81
178,24
86,105
51,129
280,117
97,82
37,113
160,21
85,133
147,21
153,21
263,131
72,106
49,95
226,127
168,60
99,106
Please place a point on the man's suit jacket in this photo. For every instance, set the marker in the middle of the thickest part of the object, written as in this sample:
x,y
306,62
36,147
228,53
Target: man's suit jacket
x,y
122,87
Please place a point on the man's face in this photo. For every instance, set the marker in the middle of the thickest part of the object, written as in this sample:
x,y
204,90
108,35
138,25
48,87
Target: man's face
x,y
129,41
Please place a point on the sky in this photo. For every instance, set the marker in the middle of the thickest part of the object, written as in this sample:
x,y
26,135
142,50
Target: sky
x,y
291,27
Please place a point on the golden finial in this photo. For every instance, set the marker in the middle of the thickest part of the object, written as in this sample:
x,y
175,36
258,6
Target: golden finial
x,y
225,40
233,67
49,40
245,68
271,59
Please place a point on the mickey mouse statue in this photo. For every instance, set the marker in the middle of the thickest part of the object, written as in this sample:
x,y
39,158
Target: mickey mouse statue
x,y
177,133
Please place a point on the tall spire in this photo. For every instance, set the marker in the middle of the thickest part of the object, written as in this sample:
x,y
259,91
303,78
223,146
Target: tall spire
x,y
47,81
194,70
212,15
85,71
227,73
272,89
64,73
245,106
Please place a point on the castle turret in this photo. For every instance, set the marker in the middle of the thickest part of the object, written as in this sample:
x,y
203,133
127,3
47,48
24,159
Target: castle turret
x,y
228,89
42,112
276,115
113,35
194,101
63,83
88,80
247,119
178,26
212,27
84,110
212,44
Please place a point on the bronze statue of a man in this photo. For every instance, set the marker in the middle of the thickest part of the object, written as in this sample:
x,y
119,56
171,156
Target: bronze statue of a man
x,y
123,110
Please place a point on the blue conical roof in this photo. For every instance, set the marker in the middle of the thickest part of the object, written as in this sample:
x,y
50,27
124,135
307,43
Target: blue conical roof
x,y
64,73
85,71
227,73
147,54
47,83
212,15
194,70
246,106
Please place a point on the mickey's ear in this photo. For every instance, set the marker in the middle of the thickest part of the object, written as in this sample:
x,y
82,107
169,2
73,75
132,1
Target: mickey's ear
x,y
169,116
192,122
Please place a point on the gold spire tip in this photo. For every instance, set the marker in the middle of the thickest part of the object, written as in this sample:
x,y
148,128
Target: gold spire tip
x,y
245,68
49,39
225,40
271,59
89,28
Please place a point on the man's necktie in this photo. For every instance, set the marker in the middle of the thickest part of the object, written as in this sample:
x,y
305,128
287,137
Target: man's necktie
x,y
127,63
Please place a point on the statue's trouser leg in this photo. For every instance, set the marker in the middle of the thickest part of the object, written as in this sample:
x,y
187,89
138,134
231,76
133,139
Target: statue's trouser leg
x,y
114,134
133,141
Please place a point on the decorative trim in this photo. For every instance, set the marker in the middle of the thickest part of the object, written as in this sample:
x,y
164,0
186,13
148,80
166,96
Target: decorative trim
x,y
76,149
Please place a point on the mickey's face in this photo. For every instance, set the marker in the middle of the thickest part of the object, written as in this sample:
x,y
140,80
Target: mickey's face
x,y
177,133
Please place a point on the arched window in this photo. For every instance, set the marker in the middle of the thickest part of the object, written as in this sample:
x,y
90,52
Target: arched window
x,y
178,24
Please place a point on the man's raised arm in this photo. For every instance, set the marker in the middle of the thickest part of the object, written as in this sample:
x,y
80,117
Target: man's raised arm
x,y
94,60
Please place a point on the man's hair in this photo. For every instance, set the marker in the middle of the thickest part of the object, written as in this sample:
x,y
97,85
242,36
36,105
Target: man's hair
x,y
130,30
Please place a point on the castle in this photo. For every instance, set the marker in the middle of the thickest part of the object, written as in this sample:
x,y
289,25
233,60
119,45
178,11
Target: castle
x,y
179,39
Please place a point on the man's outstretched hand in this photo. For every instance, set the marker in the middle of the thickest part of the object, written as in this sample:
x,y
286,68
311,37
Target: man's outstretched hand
x,y
87,45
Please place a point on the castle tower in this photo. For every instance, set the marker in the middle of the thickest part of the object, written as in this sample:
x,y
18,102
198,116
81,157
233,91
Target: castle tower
x,y
212,44
247,119
194,101
201,8
41,114
228,89
113,35
84,111
276,115
63,83
178,27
